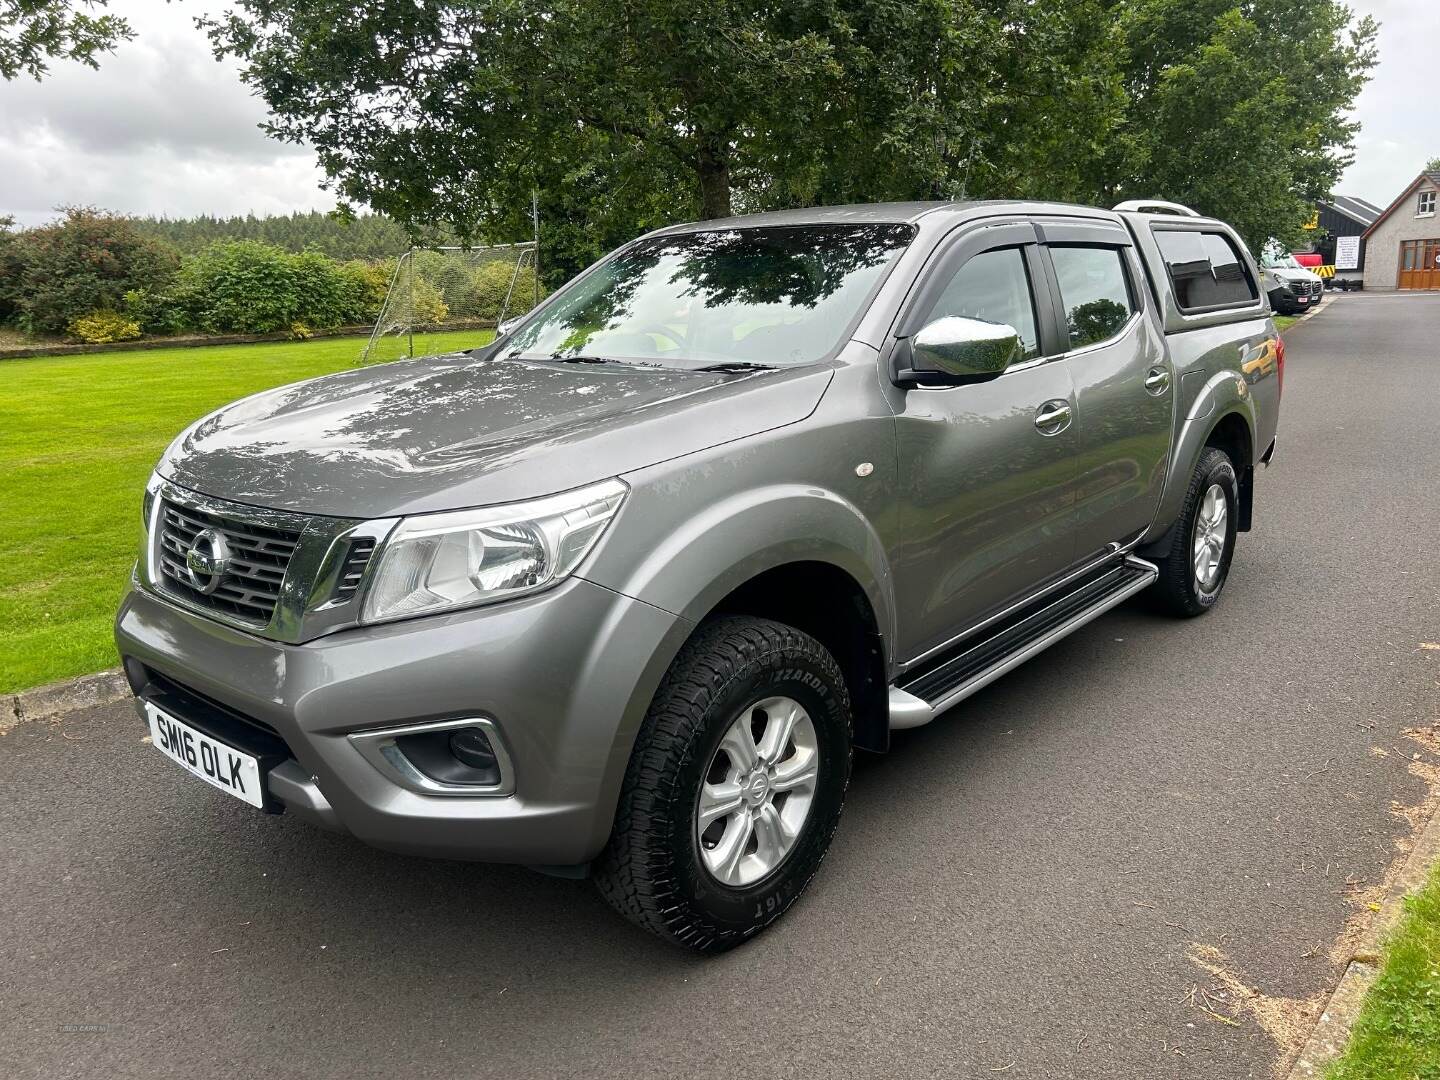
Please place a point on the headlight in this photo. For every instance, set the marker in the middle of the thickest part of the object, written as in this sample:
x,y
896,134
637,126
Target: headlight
x,y
439,562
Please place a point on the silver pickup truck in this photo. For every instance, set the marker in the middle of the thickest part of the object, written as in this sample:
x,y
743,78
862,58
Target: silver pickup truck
x,y
619,594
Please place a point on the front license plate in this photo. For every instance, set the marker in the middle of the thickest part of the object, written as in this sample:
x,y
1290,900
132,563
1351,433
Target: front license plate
x,y
218,765
1303,300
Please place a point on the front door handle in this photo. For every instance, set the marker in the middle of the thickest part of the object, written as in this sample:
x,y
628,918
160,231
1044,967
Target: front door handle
x,y
1053,417
1157,381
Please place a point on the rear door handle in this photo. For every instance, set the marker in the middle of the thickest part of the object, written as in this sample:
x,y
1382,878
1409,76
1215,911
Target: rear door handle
x,y
1053,417
1157,381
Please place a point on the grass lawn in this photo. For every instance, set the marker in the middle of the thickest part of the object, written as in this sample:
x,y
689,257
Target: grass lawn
x,y
1397,1036
78,437
1284,321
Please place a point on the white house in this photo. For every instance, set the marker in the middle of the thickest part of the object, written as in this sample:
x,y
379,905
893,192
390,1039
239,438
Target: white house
x,y
1402,246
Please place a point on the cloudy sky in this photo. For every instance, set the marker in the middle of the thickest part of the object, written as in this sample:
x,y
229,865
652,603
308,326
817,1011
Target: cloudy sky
x,y
162,128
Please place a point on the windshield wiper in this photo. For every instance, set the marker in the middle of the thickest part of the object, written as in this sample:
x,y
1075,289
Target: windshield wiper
x,y
561,358
736,365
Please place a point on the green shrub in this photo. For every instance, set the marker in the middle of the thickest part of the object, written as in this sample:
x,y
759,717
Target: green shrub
x,y
157,313
87,262
240,286
9,269
369,283
247,287
490,285
103,327
430,306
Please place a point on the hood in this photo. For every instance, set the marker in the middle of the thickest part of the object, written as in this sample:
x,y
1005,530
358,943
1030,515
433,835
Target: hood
x,y
1287,273
453,431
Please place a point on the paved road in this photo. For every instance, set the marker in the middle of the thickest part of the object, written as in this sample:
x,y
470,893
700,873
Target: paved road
x,y
1015,891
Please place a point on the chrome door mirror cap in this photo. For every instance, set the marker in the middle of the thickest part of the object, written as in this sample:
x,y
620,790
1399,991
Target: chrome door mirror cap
x,y
965,348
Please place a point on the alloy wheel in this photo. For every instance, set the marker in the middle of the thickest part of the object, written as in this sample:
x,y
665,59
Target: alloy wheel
x,y
757,791
1208,548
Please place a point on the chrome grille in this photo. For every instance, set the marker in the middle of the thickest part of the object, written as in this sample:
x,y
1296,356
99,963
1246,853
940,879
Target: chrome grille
x,y
352,571
260,555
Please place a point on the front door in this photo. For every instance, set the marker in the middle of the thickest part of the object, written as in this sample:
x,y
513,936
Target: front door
x,y
1419,264
987,470
1123,380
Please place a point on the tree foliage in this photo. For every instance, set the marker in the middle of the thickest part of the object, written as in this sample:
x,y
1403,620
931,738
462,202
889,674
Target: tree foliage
x,y
356,236
631,113
85,262
1238,110
34,32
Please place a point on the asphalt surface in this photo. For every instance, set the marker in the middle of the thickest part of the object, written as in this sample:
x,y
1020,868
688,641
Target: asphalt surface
x,y
1014,891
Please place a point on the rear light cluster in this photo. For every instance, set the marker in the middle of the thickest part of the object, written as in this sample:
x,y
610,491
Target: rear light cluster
x,y
1279,365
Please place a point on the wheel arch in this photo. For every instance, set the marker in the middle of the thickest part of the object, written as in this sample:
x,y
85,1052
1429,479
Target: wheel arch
x,y
826,602
1223,417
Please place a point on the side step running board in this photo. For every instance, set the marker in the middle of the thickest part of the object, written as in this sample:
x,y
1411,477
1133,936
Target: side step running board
x,y
920,697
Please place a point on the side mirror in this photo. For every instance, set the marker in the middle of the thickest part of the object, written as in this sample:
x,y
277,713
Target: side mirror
x,y
959,348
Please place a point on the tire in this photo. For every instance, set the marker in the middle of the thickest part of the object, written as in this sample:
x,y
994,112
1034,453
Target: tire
x,y
1182,588
656,869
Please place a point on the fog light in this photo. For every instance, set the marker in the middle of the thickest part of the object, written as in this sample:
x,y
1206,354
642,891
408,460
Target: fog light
x,y
472,748
441,757
452,756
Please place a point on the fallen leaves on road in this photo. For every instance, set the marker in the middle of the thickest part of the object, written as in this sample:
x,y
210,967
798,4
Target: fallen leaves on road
x,y
1432,646
1287,1021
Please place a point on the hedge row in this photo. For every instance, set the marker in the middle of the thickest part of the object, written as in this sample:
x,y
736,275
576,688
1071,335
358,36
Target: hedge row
x,y
96,277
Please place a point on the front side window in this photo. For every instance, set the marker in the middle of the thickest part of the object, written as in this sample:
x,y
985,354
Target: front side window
x,y
1205,269
775,296
1426,204
1094,292
994,286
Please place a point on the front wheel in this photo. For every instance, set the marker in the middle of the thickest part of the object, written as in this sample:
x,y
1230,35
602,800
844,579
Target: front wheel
x,y
734,787
1193,574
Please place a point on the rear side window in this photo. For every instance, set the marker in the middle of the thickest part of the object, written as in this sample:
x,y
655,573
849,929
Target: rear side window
x,y
1094,291
995,287
1205,269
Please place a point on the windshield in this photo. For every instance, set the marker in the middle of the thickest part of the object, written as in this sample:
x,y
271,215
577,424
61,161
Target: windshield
x,y
757,296
1279,260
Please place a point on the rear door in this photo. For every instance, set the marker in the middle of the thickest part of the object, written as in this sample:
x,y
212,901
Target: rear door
x,y
987,469
1124,385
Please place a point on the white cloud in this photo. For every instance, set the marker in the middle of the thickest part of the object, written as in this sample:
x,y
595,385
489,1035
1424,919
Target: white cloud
x,y
1400,126
161,128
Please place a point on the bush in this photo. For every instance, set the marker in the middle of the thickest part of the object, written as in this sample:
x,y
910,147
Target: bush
x,y
9,268
369,282
60,273
103,327
157,313
247,287
491,284
430,306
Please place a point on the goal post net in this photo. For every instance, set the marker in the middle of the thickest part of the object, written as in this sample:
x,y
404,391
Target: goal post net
x,y
449,298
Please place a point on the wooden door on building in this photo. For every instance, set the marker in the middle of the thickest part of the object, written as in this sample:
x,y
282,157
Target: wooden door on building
x,y
1419,264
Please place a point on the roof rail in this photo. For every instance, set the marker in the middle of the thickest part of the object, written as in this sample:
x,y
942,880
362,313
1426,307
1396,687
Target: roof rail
x,y
1140,206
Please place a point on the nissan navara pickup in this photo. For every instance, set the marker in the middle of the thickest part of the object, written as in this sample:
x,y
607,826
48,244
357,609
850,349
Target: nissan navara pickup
x,y
620,593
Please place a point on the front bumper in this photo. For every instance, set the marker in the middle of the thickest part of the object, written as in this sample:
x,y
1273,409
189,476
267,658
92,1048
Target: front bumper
x,y
565,676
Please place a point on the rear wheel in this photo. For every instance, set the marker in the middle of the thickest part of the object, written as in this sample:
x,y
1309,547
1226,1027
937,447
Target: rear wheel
x,y
734,788
1193,575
